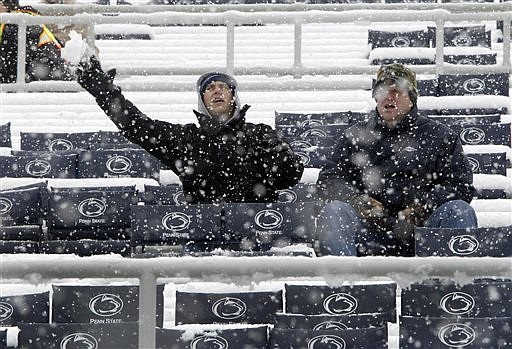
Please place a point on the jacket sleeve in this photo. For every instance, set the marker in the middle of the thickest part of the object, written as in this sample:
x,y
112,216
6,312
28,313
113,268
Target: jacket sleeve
x,y
281,166
338,176
453,178
153,135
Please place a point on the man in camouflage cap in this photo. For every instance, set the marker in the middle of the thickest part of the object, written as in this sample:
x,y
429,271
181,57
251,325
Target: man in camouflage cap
x,y
391,172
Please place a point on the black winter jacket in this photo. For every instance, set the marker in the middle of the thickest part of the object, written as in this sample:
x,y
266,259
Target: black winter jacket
x,y
234,162
419,159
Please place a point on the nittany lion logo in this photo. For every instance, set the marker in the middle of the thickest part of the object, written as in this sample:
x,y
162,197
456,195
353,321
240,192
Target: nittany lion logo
x,y
38,168
92,207
327,342
472,135
456,335
106,304
340,304
463,244
313,132
268,219
6,311
287,195
60,144
462,40
473,85
457,303
474,164
300,145
466,60
330,325
229,308
179,198
400,41
5,205
79,341
118,164
311,123
304,157
176,221
209,342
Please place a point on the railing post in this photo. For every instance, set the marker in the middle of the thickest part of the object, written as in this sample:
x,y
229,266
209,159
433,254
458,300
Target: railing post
x,y
147,310
506,42
297,50
440,46
22,54
230,48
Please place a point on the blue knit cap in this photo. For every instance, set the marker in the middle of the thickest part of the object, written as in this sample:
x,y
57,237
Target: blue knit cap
x,y
206,79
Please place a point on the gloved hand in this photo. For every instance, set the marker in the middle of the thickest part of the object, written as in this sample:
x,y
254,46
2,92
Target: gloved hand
x,y
93,79
371,210
414,214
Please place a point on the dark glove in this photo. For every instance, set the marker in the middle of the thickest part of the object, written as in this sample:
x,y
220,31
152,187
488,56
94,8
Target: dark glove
x,y
93,79
414,214
371,211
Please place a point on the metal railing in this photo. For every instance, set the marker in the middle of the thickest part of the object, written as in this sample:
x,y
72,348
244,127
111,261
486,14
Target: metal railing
x,y
188,15
37,269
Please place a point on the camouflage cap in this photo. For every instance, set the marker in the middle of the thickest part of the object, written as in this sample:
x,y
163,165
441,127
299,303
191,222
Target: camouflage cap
x,y
399,72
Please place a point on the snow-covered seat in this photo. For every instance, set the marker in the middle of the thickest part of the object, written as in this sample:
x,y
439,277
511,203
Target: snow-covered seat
x,y
58,142
24,308
43,165
475,242
327,321
413,38
5,135
474,84
472,59
465,36
23,205
171,194
305,119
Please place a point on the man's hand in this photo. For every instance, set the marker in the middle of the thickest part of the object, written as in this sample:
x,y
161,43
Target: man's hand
x,y
414,214
93,79
370,210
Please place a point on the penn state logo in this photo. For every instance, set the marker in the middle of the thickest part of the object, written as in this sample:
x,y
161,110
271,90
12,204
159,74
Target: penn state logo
x,y
209,342
313,132
340,304
456,335
119,164
176,221
301,145
268,219
92,207
473,85
457,303
462,40
466,60
463,244
229,308
327,342
38,168
400,41
330,325
179,198
79,341
287,195
60,144
472,135
106,304
474,164
311,123
5,205
6,311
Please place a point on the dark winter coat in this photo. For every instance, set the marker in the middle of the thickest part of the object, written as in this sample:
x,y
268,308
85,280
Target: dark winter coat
x,y
43,59
419,159
233,162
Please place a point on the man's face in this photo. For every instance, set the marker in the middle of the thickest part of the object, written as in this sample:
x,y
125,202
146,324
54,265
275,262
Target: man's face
x,y
393,101
219,100
3,8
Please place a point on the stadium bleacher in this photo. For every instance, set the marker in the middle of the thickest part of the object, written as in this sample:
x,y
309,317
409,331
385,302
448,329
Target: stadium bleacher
x,y
72,185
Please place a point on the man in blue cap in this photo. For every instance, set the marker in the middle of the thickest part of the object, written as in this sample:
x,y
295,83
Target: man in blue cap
x,y
223,159
392,172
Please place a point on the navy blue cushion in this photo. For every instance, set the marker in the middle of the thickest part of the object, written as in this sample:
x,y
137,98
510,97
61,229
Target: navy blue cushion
x,y
375,338
302,119
329,322
22,207
43,166
471,111
164,195
301,192
26,308
118,163
490,194
89,233
475,333
57,141
175,224
479,59
466,36
100,304
445,298
478,134
416,38
97,336
16,247
467,119
404,61
475,242
21,233
236,307
488,163
312,130
252,337
86,247
5,135
342,300
474,84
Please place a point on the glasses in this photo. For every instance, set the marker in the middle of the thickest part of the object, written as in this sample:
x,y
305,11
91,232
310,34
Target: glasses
x,y
217,85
